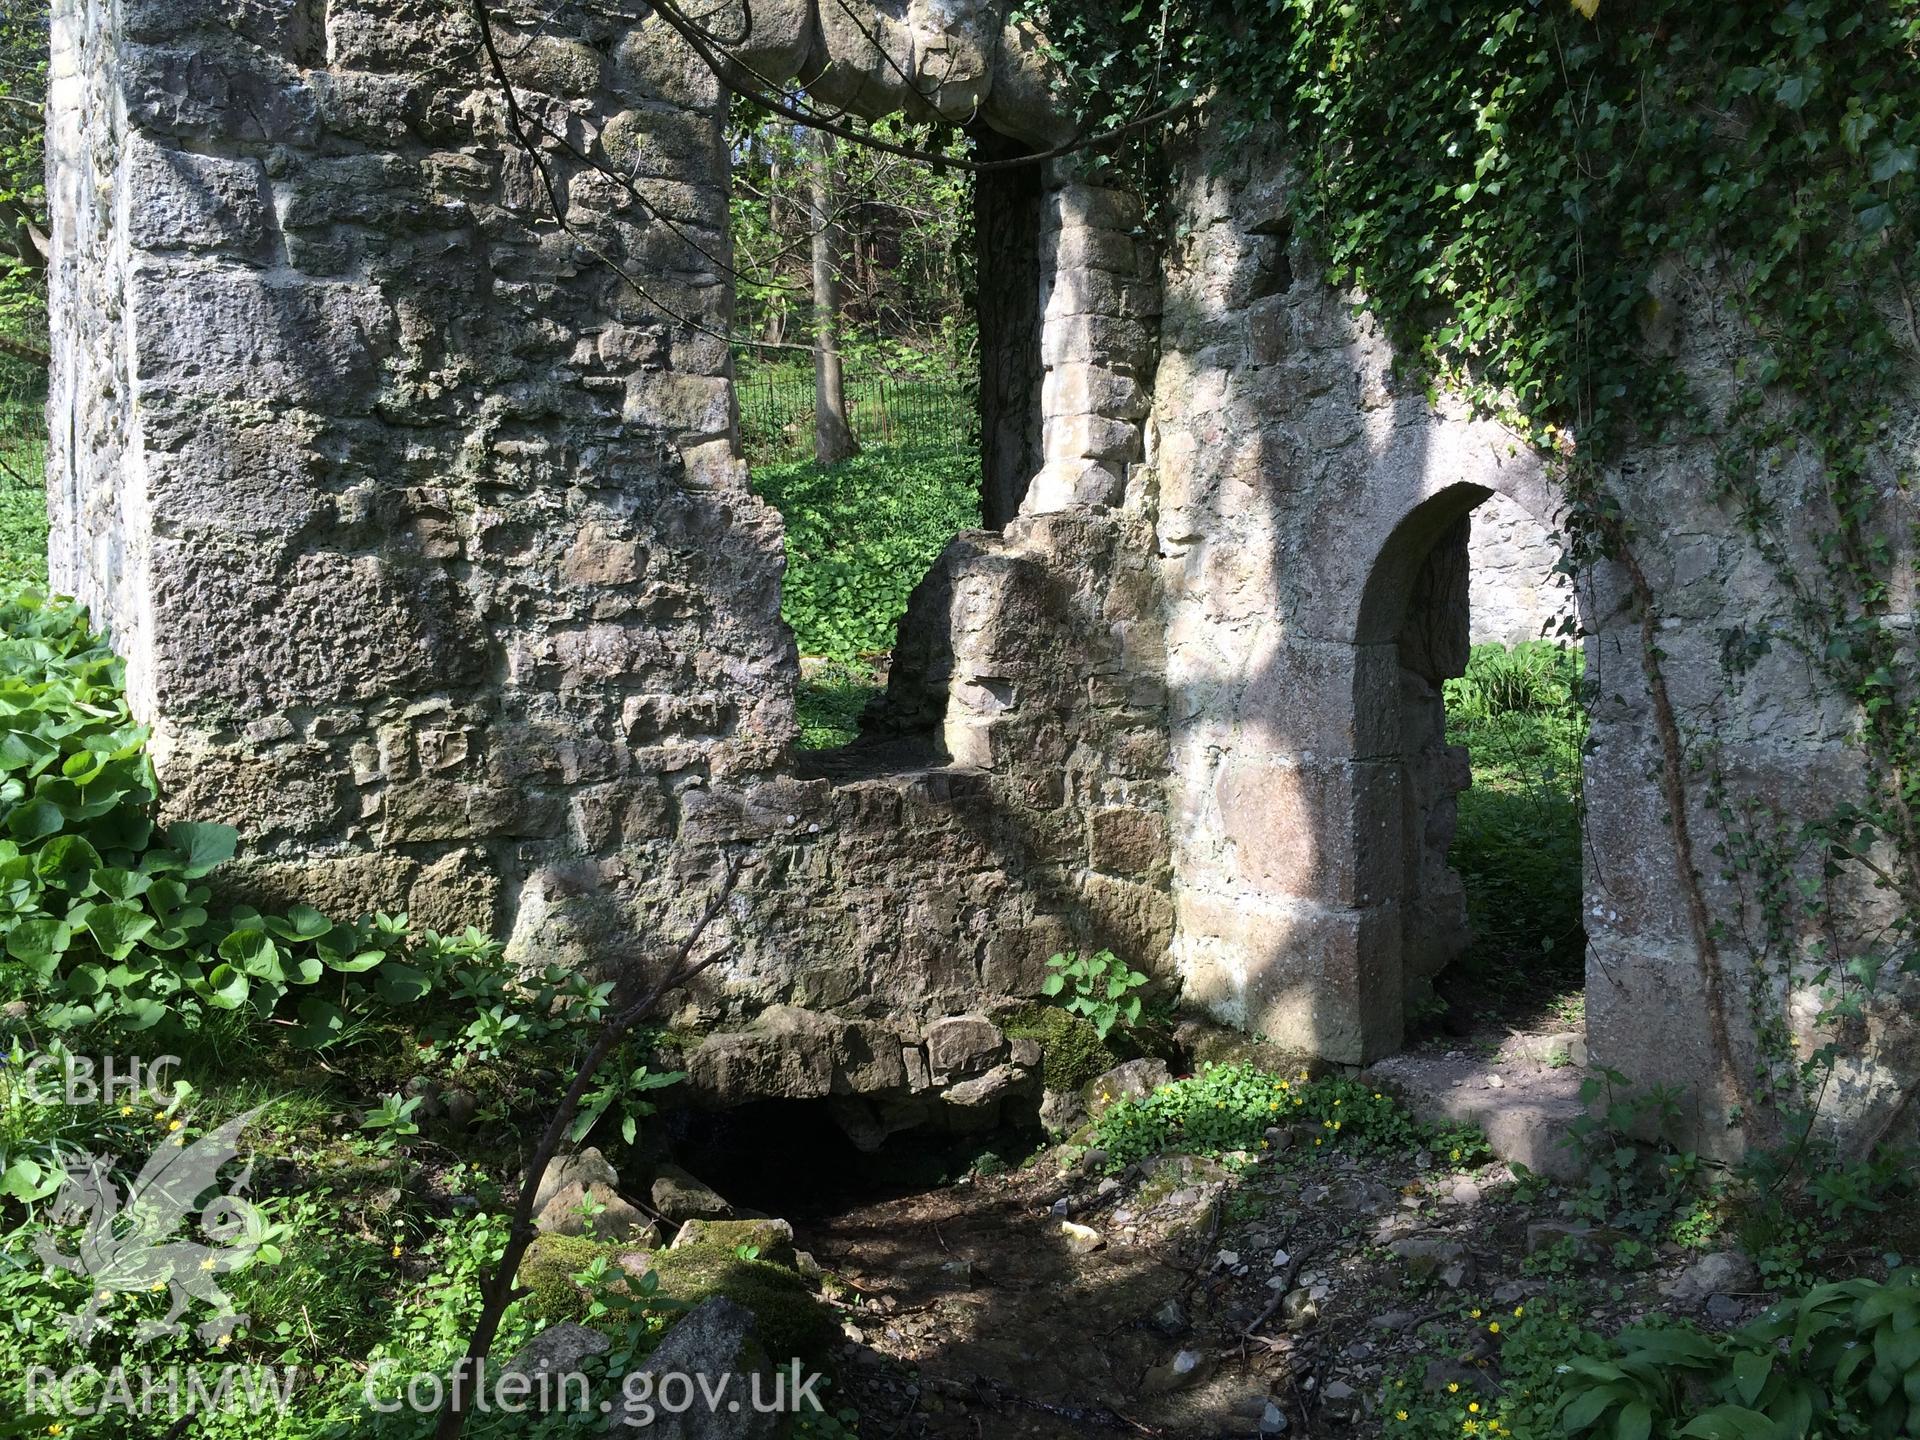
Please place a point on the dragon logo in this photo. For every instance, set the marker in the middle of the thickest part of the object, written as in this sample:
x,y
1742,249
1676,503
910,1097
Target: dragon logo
x,y
129,1246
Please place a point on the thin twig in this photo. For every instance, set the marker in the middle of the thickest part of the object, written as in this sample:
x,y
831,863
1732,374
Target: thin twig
x,y
499,1291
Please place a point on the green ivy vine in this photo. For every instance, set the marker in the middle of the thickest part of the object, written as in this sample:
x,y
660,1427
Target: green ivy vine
x,y
1517,187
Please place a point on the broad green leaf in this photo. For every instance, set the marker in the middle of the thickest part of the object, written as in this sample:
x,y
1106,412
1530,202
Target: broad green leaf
x,y
35,820
116,929
400,984
123,885
68,863
227,987
201,847
39,943
321,1023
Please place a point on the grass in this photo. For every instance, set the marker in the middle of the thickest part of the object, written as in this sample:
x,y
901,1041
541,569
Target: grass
x,y
830,700
1517,847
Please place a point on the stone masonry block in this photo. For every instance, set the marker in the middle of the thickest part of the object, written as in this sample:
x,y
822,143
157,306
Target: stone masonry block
x,y
184,201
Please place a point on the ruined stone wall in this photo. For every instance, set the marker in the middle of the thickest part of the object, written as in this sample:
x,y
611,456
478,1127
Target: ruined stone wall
x,y
441,568
1301,492
1517,594
418,515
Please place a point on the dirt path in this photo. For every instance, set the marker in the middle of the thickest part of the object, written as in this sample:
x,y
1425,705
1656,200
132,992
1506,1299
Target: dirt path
x,y
1286,1295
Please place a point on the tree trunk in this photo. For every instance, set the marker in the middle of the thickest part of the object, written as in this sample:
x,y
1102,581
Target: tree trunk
x,y
774,332
832,436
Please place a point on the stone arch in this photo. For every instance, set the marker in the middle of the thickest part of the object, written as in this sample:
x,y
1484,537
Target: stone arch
x,y
1313,889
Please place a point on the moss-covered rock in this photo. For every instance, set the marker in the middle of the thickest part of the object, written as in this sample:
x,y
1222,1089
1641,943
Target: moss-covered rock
x,y
547,1271
1071,1050
793,1322
772,1240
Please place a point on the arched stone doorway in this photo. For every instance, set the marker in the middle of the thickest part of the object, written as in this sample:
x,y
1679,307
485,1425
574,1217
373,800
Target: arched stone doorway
x,y
1314,891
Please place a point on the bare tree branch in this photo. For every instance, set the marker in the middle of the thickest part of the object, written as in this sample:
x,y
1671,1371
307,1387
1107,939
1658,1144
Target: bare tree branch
x,y
499,1291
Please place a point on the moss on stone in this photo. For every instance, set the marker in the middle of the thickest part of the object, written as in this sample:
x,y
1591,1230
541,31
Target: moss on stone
x,y
548,1268
793,1322
1071,1050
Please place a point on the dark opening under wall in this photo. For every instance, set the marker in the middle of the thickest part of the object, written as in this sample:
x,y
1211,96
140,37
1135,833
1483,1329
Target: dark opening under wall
x,y
791,1158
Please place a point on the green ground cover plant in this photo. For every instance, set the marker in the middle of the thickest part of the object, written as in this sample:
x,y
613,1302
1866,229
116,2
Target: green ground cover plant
x,y
1231,1107
1519,711
370,1215
860,536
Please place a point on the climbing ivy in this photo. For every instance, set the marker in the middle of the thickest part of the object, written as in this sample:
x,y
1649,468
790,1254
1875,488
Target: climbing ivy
x,y
1524,192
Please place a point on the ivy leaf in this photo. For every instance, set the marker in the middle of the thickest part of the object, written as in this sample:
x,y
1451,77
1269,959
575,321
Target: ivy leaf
x,y
1889,160
1794,91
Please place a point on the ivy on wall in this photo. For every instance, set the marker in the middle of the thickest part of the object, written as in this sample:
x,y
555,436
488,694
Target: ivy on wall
x,y
1518,188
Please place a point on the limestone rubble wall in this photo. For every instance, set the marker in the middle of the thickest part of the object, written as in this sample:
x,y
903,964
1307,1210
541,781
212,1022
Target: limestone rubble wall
x,y
1518,595
420,519
418,513
1299,485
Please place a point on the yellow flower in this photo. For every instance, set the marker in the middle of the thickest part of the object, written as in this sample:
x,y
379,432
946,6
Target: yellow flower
x,y
1336,1102
1473,1314
1473,1407
1453,1387
104,1295
1273,1105
1316,1139
208,1263
1493,1328
1518,1311
224,1341
1472,1427
158,1285
158,1116
1378,1096
126,1109
1454,1156
1399,1414
1336,1124
56,1428
173,1126
396,1252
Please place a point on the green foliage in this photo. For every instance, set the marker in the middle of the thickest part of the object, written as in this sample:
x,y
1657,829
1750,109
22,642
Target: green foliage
x,y
1230,1107
622,1088
905,251
860,535
830,701
1517,847
392,1119
1643,1188
1846,1356
1102,988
